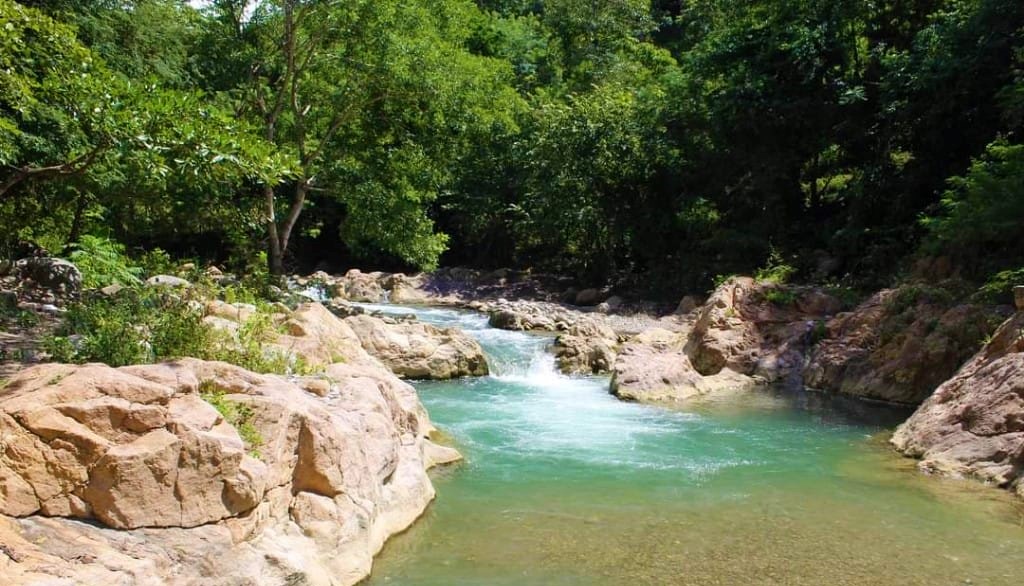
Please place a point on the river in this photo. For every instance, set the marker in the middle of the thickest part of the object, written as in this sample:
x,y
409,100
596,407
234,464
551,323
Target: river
x,y
565,485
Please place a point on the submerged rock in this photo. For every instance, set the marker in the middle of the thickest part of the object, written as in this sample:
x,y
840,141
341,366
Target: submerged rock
x,y
973,425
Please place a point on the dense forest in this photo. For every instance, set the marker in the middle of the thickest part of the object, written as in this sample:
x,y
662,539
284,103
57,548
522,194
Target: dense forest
x,y
652,143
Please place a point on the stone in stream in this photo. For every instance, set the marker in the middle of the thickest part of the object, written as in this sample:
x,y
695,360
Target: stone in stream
x,y
653,367
588,347
420,351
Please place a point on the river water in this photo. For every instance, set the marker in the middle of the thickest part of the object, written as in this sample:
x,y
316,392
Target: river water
x,y
565,485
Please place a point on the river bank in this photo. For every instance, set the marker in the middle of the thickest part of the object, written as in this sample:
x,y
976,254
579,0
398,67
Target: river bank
x,y
605,442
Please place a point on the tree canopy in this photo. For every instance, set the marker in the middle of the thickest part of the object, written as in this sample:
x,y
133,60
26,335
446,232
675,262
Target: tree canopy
x,y
654,142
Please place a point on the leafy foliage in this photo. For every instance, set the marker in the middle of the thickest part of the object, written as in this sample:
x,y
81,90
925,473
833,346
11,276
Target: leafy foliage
x,y
237,414
649,143
103,262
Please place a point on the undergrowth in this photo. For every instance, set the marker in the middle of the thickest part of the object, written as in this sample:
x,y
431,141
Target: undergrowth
x,y
237,414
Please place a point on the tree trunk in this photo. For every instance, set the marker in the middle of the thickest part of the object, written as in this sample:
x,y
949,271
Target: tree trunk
x,y
275,255
279,236
76,223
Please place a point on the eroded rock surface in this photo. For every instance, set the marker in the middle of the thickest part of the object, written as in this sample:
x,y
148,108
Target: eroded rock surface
x,y
747,334
973,425
202,472
898,346
420,351
654,367
588,347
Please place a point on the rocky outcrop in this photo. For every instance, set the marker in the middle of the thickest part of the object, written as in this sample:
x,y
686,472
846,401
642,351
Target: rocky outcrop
x,y
654,368
200,472
973,425
588,347
899,345
523,315
358,286
420,351
747,334
757,329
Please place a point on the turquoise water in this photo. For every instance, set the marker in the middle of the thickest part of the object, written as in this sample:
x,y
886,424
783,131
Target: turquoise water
x,y
565,485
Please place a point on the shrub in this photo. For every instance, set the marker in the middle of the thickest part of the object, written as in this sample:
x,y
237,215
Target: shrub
x,y
780,296
999,287
238,415
133,328
156,262
776,270
103,262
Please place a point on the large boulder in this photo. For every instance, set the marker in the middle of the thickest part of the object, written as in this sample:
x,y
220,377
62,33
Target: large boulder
x,y
756,328
358,286
588,347
420,351
589,297
973,424
653,367
54,274
209,472
527,315
899,345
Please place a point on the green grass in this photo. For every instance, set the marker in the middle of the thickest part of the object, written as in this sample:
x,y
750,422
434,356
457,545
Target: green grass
x,y
238,415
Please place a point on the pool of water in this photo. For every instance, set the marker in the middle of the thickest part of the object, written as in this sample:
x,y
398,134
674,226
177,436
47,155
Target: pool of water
x,y
564,484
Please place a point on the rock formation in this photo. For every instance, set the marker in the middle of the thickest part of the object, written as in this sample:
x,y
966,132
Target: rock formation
x,y
747,334
420,351
201,472
973,425
588,347
653,367
898,346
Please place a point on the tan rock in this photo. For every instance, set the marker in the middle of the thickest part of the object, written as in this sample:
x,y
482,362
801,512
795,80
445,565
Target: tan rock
x,y
358,286
654,368
588,347
311,493
418,350
756,329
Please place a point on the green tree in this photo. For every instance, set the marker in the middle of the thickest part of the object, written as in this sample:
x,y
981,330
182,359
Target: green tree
x,y
376,100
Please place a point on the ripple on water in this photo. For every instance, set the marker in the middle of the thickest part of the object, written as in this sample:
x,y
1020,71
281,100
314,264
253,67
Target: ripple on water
x,y
565,485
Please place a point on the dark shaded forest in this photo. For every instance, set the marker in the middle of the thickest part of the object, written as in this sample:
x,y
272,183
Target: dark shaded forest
x,y
649,144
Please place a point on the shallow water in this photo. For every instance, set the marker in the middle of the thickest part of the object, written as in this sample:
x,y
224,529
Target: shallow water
x,y
563,484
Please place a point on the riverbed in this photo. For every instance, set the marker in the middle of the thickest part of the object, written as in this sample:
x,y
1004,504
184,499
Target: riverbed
x,y
563,484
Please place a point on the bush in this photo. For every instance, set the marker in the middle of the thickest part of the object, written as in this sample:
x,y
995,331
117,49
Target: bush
x,y
133,328
777,270
146,326
780,296
156,262
239,415
103,262
982,213
999,287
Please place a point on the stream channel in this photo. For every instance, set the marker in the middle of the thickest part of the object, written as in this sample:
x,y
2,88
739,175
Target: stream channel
x,y
563,484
